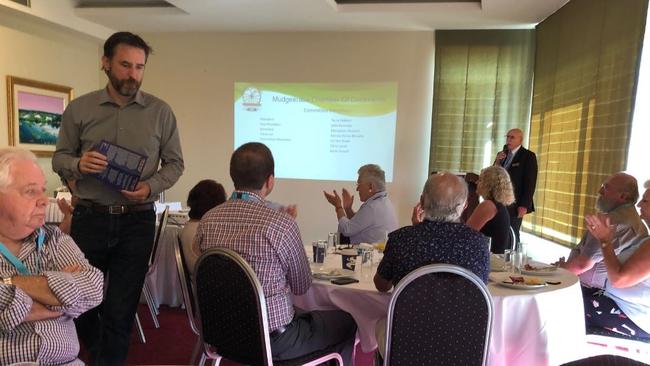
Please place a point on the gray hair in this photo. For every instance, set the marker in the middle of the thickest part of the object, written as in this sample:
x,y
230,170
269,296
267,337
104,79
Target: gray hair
x,y
373,174
646,185
8,156
444,197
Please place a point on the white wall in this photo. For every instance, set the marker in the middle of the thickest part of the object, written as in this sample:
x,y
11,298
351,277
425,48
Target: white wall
x,y
41,51
195,73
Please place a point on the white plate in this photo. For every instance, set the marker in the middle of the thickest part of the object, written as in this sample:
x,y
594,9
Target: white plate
x,y
541,271
504,280
520,286
330,273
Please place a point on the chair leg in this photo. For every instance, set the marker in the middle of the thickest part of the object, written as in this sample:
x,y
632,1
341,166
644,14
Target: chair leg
x,y
154,301
197,349
138,325
150,304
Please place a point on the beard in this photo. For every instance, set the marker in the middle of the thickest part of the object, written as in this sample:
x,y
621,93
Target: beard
x,y
126,88
605,205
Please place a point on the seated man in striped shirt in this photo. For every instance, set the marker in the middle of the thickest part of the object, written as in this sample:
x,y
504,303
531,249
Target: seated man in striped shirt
x,y
45,281
269,240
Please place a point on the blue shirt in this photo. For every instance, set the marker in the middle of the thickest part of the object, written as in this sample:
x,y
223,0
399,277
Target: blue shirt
x,y
374,220
431,242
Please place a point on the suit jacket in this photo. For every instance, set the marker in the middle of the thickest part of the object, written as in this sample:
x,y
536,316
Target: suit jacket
x,y
523,174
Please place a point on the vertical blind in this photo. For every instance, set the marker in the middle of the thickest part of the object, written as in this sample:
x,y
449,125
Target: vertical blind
x,y
482,88
586,66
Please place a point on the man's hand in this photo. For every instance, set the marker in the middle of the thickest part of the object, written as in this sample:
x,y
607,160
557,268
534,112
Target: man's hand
x,y
348,199
418,214
92,162
40,312
521,211
292,210
71,268
333,199
64,206
600,227
141,192
501,155
560,262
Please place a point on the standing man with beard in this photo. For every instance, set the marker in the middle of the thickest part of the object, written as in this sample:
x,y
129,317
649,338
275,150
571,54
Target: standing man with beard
x,y
616,198
115,229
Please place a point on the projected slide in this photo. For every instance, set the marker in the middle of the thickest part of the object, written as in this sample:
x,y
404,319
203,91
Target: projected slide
x,y
319,131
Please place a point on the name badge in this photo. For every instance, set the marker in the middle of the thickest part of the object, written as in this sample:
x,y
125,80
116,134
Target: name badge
x,y
515,164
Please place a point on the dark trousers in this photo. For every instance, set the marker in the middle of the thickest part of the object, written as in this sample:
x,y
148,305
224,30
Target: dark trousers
x,y
317,330
118,245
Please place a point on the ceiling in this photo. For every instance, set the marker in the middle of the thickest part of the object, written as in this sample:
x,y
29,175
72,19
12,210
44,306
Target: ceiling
x,y
311,15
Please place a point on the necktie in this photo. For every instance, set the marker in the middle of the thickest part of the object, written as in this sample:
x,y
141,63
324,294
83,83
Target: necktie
x,y
506,164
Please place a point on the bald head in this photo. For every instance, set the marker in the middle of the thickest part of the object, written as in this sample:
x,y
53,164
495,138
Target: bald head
x,y
618,189
514,138
444,197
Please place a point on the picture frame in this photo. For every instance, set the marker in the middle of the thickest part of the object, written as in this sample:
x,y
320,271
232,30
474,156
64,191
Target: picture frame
x,y
35,110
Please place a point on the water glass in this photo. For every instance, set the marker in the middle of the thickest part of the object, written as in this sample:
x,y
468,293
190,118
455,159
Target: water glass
x,y
319,251
489,241
517,259
523,249
507,260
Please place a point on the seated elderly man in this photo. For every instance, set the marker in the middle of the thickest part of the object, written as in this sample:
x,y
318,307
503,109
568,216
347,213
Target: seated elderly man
x,y
376,216
616,197
439,238
45,279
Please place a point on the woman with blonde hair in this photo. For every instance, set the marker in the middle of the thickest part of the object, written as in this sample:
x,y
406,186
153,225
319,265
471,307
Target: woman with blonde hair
x,y
491,216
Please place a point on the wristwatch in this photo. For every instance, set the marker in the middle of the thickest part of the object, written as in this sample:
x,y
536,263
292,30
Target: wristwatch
x,y
7,281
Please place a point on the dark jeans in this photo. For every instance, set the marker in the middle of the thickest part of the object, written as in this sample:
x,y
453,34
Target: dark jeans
x,y
316,330
118,245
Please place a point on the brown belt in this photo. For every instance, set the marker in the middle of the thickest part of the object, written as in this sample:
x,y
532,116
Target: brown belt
x,y
117,209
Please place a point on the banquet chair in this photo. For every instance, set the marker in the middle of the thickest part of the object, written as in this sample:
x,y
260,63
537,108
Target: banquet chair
x,y
513,239
439,314
146,289
188,299
232,313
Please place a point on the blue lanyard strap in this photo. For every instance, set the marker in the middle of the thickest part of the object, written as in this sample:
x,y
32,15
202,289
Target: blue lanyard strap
x,y
20,266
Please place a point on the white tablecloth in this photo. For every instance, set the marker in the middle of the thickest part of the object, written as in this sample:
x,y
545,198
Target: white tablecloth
x,y
531,327
163,281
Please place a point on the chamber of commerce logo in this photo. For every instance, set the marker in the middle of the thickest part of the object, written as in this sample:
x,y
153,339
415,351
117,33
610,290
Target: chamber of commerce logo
x,y
251,99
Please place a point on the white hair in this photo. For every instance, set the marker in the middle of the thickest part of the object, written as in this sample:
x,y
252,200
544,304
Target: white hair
x,y
8,156
444,197
373,174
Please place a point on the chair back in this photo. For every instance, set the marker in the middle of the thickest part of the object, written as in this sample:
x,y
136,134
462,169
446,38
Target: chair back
x,y
186,284
439,314
513,239
160,231
231,308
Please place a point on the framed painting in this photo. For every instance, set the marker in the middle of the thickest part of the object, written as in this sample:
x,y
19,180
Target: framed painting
x,y
35,110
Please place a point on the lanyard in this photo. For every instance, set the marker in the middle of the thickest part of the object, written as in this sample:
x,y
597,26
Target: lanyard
x,y
240,196
20,266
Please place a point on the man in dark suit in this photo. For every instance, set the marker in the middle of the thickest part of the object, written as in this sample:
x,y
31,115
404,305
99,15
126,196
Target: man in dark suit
x,y
521,164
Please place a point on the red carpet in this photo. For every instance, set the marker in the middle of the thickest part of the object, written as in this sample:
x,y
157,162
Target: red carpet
x,y
173,342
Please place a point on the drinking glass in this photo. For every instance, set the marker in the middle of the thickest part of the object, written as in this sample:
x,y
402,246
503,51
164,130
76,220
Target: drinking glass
x,y
507,260
489,244
517,259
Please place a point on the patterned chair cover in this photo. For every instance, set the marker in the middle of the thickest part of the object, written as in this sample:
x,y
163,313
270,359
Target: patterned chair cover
x,y
439,314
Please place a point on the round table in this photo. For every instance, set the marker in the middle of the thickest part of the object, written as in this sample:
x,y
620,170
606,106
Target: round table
x,y
531,327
